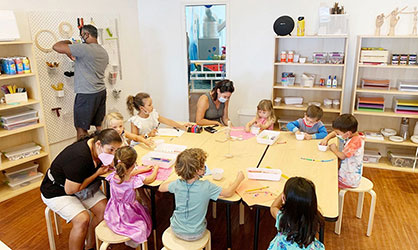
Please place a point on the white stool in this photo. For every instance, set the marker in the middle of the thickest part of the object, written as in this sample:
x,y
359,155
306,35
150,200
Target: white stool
x,y
49,227
365,186
107,236
171,242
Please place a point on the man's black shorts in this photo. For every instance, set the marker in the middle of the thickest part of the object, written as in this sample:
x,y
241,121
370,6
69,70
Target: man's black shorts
x,y
89,109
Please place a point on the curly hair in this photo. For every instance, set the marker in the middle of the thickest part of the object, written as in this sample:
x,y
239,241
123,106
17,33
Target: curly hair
x,y
189,162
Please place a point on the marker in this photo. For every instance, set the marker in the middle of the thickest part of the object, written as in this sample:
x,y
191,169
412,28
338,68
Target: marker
x,y
255,189
176,129
285,176
160,159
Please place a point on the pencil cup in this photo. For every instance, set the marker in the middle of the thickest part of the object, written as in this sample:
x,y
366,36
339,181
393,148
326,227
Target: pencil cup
x,y
60,93
217,174
300,136
322,148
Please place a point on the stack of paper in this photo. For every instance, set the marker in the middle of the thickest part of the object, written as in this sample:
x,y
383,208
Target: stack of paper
x,y
374,136
406,106
375,84
371,104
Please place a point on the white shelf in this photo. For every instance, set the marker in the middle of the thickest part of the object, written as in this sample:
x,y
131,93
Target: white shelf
x,y
390,37
389,66
6,192
314,88
4,132
16,43
8,77
387,113
312,37
5,163
407,143
386,165
309,64
5,106
392,91
303,107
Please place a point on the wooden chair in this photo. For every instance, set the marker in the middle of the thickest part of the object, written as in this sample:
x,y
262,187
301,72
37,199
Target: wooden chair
x,y
107,236
49,226
172,242
365,186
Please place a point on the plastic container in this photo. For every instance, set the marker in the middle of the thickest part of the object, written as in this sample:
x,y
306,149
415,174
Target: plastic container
x,y
335,24
217,173
320,57
21,173
371,156
401,160
268,137
308,80
327,103
336,104
20,124
26,182
300,136
322,148
264,174
22,151
18,115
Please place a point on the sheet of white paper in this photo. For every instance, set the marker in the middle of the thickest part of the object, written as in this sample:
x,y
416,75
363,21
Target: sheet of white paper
x,y
169,132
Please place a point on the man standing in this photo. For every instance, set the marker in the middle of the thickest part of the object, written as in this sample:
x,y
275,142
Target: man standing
x,y
91,60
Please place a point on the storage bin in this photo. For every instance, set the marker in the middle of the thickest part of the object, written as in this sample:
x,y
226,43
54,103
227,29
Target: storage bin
x,y
26,182
335,24
17,115
16,98
22,151
268,137
20,124
308,80
371,156
21,173
401,160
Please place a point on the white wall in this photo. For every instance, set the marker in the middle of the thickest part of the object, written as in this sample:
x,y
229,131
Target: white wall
x,y
250,50
129,39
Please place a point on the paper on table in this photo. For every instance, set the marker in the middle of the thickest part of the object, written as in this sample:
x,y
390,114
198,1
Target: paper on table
x,y
162,175
240,132
169,132
252,198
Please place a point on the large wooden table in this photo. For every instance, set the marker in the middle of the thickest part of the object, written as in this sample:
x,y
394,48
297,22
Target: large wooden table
x,y
249,153
287,158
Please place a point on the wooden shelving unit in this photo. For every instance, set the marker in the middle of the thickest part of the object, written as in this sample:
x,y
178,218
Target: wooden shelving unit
x,y
375,121
305,46
33,133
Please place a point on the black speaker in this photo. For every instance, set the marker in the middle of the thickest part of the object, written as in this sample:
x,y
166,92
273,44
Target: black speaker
x,y
283,25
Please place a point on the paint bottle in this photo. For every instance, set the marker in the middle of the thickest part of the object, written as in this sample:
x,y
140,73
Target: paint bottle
x,y
329,82
301,26
26,65
334,82
19,65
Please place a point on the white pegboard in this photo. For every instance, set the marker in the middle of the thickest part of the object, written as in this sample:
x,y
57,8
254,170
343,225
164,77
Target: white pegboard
x,y
62,128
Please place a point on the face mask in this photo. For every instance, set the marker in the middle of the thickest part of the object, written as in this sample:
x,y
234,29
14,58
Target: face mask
x,y
221,99
106,158
341,138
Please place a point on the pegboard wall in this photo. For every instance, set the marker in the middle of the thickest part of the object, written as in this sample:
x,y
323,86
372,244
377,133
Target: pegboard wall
x,y
45,27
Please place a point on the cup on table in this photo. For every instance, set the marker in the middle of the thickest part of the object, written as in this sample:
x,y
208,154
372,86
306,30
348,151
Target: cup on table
x,y
322,148
300,136
217,174
302,59
255,130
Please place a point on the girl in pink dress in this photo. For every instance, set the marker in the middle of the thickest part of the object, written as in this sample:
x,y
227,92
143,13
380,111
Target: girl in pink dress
x,y
265,117
124,214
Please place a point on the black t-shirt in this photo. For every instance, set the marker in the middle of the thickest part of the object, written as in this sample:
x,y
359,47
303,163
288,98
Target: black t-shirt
x,y
74,163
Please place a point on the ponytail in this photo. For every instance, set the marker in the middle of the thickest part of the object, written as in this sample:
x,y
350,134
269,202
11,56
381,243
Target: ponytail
x,y
125,158
121,171
135,102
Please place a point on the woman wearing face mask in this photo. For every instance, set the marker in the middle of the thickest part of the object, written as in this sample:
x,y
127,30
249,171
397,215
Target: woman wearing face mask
x,y
212,107
71,186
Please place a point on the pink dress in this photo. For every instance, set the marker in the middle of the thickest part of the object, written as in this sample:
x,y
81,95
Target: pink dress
x,y
124,215
263,121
